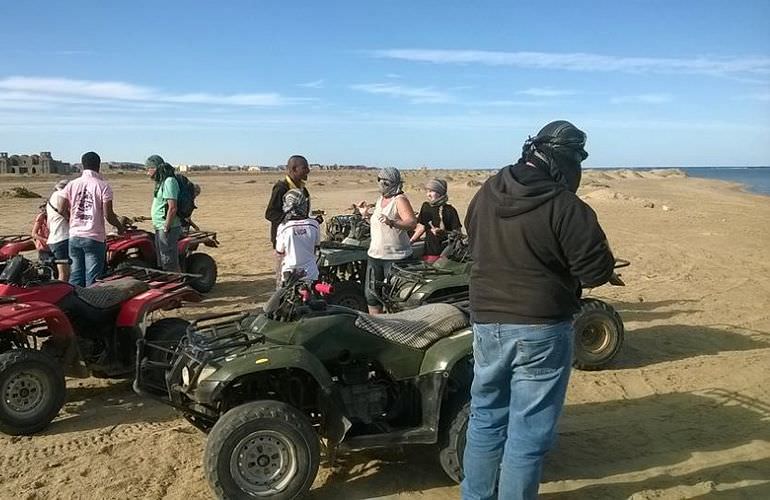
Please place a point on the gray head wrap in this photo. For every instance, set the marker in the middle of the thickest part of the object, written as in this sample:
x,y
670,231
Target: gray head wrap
x,y
438,186
61,184
389,180
295,205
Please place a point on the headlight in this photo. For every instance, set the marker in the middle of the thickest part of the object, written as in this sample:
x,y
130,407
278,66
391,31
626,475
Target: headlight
x,y
185,376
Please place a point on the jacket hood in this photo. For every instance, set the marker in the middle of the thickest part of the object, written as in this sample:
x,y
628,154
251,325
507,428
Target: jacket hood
x,y
520,188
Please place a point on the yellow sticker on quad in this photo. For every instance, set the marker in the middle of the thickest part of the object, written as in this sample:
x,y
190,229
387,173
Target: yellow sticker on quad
x,y
262,360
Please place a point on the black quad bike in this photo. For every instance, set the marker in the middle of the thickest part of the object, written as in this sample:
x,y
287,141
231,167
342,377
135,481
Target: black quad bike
x,y
275,389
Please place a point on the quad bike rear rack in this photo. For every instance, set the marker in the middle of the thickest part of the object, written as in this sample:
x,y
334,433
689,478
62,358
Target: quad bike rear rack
x,y
14,238
164,280
208,238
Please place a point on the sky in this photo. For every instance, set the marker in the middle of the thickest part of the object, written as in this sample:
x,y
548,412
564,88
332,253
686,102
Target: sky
x,y
445,84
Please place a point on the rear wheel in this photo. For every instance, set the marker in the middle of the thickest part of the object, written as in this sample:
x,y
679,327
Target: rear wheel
x,y
598,335
348,294
32,391
203,264
262,449
452,442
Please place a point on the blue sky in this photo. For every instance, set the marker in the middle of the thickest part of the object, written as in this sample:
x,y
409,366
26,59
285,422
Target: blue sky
x,y
405,83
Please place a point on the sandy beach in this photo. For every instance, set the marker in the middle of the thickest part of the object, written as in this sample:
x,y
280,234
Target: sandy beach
x,y
684,412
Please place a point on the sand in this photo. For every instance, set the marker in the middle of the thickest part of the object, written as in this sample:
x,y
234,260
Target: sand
x,y
684,412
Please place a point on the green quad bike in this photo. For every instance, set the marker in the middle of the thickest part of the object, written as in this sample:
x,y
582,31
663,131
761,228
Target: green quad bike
x,y
599,329
274,389
342,258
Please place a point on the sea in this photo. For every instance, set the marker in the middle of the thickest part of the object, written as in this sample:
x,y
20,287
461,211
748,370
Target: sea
x,y
754,179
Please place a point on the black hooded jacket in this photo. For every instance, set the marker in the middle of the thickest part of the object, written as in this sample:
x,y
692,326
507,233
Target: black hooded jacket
x,y
533,243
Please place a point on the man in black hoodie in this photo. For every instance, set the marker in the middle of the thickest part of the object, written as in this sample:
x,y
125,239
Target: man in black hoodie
x,y
534,244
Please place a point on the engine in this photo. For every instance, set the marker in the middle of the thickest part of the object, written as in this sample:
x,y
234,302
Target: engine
x,y
368,394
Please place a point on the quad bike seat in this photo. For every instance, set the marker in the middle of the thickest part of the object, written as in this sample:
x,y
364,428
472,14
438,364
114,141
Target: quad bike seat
x,y
108,294
417,328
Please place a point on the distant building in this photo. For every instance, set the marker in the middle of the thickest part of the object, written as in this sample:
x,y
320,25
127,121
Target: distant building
x,y
42,163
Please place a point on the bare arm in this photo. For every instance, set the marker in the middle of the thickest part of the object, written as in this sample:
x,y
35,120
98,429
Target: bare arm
x,y
111,217
170,214
418,233
406,213
36,230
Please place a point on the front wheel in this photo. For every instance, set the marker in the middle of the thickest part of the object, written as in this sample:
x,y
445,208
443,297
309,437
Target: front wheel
x,y
32,391
598,335
166,332
204,265
262,449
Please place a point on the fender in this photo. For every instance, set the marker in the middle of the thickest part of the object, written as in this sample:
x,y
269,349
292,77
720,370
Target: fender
x,y
13,249
141,241
19,314
50,293
134,310
263,360
443,355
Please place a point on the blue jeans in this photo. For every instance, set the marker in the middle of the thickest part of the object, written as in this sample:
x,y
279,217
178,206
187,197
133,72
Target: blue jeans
x,y
88,259
520,378
166,248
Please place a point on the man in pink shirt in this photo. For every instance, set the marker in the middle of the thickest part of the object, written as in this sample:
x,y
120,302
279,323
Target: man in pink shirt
x,y
89,202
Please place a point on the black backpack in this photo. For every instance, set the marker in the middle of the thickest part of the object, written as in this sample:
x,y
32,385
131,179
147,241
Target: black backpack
x,y
185,204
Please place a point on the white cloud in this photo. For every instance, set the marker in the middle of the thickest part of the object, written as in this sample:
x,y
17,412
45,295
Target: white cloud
x,y
414,94
66,90
642,98
505,103
546,92
392,75
580,61
315,84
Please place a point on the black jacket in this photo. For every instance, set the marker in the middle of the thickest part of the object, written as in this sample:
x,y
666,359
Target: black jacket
x,y
435,217
534,244
274,210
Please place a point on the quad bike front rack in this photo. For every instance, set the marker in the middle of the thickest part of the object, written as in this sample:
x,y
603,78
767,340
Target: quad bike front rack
x,y
207,338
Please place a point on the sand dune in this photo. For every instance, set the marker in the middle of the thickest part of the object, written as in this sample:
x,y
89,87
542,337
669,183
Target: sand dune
x,y
683,413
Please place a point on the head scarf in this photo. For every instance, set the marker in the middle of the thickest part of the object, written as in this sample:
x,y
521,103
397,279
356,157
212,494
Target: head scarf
x,y
439,187
389,180
61,184
558,150
154,161
295,205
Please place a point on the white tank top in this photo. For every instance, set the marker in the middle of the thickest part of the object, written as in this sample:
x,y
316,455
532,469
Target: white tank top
x,y
387,242
58,226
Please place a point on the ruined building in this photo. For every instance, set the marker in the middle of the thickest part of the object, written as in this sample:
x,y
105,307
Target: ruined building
x,y
33,164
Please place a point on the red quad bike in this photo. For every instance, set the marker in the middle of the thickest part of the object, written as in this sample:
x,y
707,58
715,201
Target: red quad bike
x,y
135,247
49,329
